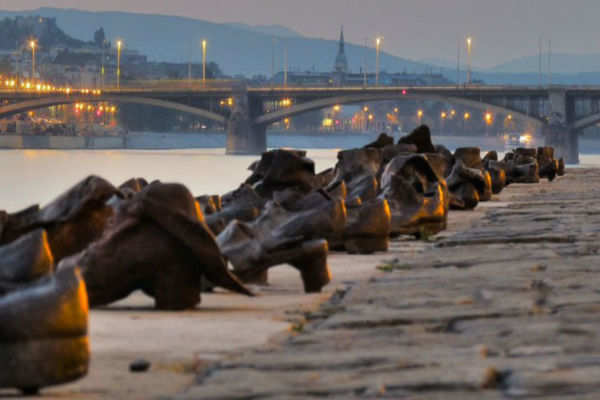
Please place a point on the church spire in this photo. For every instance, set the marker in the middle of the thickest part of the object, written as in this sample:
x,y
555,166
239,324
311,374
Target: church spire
x,y
341,63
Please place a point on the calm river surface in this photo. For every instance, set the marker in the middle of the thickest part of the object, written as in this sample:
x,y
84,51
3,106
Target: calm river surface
x,y
38,176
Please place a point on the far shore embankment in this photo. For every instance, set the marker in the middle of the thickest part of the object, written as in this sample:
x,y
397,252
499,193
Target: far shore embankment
x,y
215,139
186,140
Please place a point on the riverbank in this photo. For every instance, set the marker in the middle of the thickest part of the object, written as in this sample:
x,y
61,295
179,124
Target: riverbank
x,y
225,326
212,140
507,307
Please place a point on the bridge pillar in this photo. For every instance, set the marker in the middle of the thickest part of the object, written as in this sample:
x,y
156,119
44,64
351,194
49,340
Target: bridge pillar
x,y
559,132
243,135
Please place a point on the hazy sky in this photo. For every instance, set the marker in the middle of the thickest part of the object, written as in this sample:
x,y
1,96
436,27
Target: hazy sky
x,y
417,29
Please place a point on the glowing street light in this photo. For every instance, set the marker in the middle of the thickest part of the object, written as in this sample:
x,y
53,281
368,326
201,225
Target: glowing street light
x,y
378,48
444,115
337,108
420,115
119,46
204,62
509,117
366,109
33,46
488,118
469,48
467,116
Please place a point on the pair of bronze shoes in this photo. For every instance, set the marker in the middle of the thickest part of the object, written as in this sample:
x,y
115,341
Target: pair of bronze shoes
x,y
294,235
368,225
469,182
157,241
417,195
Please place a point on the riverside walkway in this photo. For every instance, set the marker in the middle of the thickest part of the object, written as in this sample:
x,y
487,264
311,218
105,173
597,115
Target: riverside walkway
x,y
507,307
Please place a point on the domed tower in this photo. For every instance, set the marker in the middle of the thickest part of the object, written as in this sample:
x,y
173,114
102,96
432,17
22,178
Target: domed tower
x,y
341,62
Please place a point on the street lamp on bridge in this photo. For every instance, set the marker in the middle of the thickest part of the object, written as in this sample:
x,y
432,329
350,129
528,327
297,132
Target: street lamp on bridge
x,y
33,46
469,48
204,62
119,46
378,42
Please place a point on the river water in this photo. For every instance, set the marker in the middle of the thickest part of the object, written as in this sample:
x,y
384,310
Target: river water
x,y
38,176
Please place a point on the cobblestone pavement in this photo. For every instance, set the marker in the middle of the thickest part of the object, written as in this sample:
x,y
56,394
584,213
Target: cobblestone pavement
x,y
508,308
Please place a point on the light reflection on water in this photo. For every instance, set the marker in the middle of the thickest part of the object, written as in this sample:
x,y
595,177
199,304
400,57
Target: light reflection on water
x,y
38,176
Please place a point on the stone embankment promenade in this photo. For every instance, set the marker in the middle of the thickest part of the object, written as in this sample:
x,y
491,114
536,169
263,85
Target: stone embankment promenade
x,y
509,307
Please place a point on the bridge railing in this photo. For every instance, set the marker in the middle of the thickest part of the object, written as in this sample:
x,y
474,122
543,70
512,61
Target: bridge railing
x,y
162,84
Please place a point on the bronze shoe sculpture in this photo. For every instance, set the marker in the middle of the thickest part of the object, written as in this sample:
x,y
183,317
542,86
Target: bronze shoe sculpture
x,y
157,242
522,166
465,185
132,186
72,221
251,259
497,171
280,169
561,167
279,236
25,260
359,169
243,204
548,166
420,137
471,158
367,228
43,333
417,197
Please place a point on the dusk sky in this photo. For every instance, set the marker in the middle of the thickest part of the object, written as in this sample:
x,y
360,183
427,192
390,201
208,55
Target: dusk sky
x,y
417,29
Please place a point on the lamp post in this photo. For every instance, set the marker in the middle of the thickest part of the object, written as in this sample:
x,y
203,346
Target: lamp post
x,y
203,62
469,48
377,49
285,65
119,46
102,71
33,45
443,115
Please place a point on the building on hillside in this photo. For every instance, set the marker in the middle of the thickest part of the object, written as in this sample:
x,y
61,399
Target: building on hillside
x,y
341,75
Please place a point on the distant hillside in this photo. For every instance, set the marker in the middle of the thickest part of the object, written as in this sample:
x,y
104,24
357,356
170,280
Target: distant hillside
x,y
238,48
243,49
274,30
14,32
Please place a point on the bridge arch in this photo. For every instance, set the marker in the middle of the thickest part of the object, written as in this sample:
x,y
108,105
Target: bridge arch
x,y
318,104
586,122
43,102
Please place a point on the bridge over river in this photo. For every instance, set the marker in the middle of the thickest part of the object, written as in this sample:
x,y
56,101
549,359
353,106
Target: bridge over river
x,y
560,112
